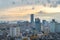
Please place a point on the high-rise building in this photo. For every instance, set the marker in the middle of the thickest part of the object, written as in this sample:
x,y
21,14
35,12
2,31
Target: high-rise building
x,y
43,21
14,31
52,26
32,18
37,25
45,26
57,29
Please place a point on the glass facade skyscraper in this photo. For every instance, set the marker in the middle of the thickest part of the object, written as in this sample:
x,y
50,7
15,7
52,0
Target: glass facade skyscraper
x,y
37,24
32,18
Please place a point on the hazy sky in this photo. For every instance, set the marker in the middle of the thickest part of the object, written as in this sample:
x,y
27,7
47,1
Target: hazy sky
x,y
21,9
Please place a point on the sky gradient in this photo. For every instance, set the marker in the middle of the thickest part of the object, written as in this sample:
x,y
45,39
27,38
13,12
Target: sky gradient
x,y
21,9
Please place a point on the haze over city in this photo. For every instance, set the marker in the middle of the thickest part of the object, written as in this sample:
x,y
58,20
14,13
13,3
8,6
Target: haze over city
x,y
29,19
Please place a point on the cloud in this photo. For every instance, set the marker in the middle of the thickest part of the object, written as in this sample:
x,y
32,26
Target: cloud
x,y
14,3
20,9
23,13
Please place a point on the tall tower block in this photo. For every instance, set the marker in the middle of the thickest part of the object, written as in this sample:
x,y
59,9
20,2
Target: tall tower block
x,y
32,18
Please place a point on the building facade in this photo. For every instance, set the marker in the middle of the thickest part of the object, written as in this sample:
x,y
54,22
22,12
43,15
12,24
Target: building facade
x,y
45,26
14,31
38,25
32,18
52,26
57,29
